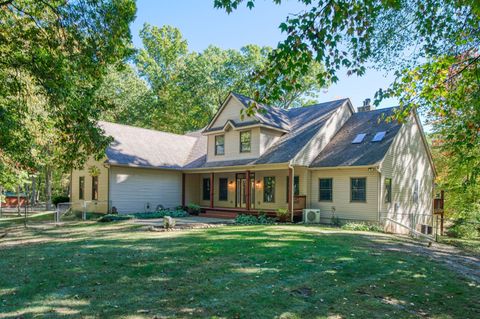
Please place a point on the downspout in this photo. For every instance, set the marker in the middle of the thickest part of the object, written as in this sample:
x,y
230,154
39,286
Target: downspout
x,y
291,182
379,193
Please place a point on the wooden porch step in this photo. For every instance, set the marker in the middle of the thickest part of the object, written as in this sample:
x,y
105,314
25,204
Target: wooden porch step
x,y
218,214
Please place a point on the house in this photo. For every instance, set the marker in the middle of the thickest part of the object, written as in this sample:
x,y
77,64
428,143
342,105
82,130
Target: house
x,y
352,165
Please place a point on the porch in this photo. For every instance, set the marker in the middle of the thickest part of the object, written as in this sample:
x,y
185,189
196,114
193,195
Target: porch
x,y
226,194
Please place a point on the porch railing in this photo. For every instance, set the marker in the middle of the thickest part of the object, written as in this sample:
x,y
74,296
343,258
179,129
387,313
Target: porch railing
x,y
299,202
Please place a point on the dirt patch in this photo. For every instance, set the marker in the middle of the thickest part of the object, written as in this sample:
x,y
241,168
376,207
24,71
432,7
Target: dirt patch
x,y
454,258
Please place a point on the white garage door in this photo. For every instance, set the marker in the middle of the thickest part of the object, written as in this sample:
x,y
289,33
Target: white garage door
x,y
137,190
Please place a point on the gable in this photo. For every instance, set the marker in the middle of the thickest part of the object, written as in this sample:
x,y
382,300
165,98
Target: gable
x,y
229,111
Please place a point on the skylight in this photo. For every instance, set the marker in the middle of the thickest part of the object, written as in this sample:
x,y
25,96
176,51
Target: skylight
x,y
359,138
379,136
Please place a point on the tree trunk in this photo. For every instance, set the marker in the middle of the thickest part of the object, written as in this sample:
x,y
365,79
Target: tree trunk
x,y
18,201
1,201
33,198
48,188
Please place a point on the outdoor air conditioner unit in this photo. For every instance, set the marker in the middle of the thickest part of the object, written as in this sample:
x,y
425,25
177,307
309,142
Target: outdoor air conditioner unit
x,y
311,216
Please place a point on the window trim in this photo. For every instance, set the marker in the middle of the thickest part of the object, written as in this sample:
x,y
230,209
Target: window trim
x,y
265,188
250,141
215,145
220,198
388,191
94,187
351,190
81,187
331,190
208,189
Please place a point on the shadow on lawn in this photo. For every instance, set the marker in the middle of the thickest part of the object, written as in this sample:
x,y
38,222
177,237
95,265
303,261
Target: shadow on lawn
x,y
244,272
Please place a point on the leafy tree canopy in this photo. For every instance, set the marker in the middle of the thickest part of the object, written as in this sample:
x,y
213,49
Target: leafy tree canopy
x,y
189,86
53,56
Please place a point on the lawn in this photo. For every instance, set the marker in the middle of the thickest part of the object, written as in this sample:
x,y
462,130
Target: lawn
x,y
120,270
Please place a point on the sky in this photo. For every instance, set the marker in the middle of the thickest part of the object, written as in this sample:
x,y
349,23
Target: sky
x,y
203,25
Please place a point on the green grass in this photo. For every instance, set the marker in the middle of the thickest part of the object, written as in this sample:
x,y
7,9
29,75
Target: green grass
x,y
120,270
36,217
469,245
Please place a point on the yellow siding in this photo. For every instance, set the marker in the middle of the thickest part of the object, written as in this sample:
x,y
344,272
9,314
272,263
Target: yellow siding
x,y
192,191
268,137
406,161
232,146
102,205
231,111
324,136
344,208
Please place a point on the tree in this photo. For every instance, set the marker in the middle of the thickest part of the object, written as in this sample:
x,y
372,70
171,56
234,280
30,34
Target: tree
x,y
53,56
189,86
130,99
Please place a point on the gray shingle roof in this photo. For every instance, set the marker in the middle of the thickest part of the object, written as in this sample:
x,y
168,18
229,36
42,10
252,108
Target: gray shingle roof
x,y
341,152
140,147
304,123
134,146
270,116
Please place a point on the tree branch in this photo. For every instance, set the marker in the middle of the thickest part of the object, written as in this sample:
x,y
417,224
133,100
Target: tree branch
x,y
5,3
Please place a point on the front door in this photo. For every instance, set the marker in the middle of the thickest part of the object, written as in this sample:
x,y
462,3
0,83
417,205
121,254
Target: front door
x,y
241,190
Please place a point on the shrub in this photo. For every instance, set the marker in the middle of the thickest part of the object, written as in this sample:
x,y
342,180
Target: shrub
x,y
262,219
465,228
114,218
193,209
362,227
282,214
335,221
161,214
60,199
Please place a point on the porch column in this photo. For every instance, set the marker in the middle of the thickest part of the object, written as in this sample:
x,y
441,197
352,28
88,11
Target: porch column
x,y
248,190
183,190
211,189
290,190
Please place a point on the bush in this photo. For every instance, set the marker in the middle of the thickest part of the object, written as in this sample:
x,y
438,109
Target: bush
x,y
60,199
465,228
282,214
335,221
262,219
161,214
114,218
193,209
362,227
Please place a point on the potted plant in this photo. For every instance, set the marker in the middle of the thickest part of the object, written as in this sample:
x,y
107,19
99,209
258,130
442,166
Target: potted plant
x,y
282,215
193,209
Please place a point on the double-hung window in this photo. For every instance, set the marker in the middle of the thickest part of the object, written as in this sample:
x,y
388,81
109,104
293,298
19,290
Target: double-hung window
x,y
245,141
206,189
358,189
325,189
269,189
223,189
220,145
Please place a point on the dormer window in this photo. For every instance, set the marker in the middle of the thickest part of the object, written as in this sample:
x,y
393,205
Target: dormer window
x,y
245,141
220,145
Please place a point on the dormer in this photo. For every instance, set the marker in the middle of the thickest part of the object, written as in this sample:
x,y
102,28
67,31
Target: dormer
x,y
231,136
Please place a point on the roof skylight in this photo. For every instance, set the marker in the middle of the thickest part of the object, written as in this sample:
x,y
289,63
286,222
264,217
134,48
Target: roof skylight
x,y
359,138
379,136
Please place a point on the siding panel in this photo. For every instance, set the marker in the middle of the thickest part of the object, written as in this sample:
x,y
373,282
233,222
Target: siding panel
x,y
132,189
344,208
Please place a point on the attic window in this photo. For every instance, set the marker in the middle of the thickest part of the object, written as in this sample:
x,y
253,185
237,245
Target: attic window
x,y
359,138
379,136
